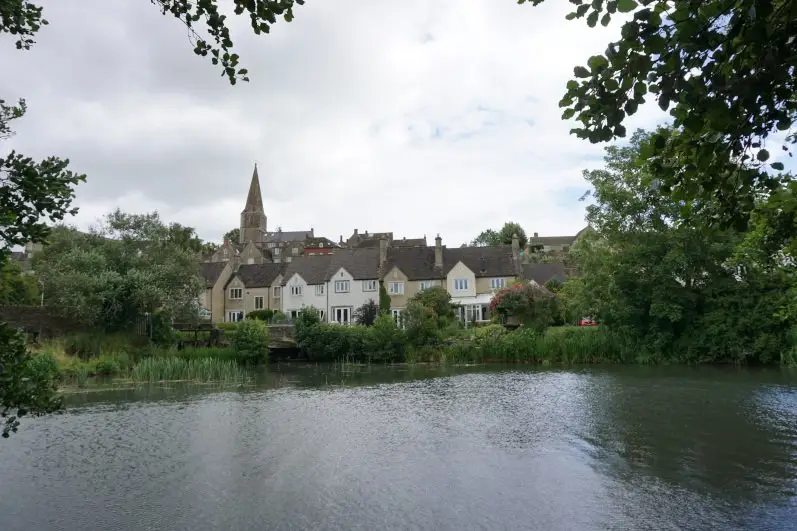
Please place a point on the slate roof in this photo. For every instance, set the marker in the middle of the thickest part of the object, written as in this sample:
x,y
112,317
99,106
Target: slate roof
x,y
287,236
312,268
361,264
542,273
553,240
410,242
210,271
415,262
491,261
315,242
259,275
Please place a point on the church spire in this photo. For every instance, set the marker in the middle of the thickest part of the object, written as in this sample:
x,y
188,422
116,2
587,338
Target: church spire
x,y
254,201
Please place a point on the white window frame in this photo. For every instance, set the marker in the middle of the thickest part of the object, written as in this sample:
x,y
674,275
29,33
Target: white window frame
x,y
426,284
395,313
236,291
395,287
296,290
460,284
370,285
319,290
497,283
262,300
235,316
342,286
341,311
276,251
295,251
277,291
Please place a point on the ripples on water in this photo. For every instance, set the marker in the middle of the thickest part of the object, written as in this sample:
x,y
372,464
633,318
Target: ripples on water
x,y
503,449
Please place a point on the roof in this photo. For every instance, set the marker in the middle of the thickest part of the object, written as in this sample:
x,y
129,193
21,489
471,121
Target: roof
x,y
210,271
254,200
410,242
553,240
312,268
417,263
259,275
361,264
491,261
316,242
287,236
542,273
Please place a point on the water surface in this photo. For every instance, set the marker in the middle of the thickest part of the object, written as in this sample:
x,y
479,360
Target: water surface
x,y
314,447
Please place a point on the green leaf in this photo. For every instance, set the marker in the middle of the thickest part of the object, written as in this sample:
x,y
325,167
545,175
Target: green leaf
x,y
592,19
572,84
597,61
625,6
580,71
605,19
763,155
664,102
569,113
777,166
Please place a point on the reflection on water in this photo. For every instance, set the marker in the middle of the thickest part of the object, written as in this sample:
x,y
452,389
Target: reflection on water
x,y
317,447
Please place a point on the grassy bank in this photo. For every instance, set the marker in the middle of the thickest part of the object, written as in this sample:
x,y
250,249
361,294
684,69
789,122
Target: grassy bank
x,y
83,356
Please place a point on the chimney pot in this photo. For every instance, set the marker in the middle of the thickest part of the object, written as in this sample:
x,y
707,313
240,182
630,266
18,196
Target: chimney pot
x,y
438,252
536,234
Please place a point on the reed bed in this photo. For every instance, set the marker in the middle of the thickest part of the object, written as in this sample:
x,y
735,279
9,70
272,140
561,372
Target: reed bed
x,y
157,369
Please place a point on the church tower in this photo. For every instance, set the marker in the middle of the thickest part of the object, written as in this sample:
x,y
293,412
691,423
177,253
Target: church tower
x,y
253,218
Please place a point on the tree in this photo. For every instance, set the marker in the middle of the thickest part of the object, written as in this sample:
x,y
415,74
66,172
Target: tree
x,y
679,288
501,237
725,71
366,314
530,305
233,236
133,264
16,288
27,386
438,299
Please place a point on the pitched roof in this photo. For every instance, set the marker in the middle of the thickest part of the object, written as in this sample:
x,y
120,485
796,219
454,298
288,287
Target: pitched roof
x,y
259,275
254,200
415,262
312,268
410,242
315,242
490,261
210,271
361,264
542,273
287,236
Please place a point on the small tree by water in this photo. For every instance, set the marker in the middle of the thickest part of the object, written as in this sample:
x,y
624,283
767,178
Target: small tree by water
x,y
251,341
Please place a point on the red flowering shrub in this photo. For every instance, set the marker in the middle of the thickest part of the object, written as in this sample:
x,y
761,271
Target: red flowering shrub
x,y
529,304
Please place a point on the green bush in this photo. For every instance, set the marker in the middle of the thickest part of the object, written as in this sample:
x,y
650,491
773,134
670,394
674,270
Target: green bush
x,y
385,341
261,315
251,341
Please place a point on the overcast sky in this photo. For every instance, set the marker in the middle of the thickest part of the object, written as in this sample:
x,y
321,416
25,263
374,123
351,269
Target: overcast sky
x,y
417,117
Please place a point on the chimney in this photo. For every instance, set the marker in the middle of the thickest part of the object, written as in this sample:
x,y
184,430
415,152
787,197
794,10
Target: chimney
x,y
226,242
382,252
356,231
312,232
516,253
438,252
536,234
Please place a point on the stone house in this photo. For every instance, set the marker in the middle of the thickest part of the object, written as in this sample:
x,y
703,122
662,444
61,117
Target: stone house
x,y
251,288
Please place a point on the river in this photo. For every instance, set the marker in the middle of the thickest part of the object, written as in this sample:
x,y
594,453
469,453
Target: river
x,y
378,448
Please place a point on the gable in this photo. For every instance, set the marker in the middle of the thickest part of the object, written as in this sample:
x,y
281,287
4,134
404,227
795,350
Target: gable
x,y
341,274
460,270
395,274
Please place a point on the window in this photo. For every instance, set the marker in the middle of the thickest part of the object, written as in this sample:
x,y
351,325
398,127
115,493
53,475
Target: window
x,y
288,259
277,291
460,284
296,291
259,303
294,314
277,251
396,314
295,251
342,315
369,285
319,290
496,283
341,286
235,317
250,261
271,245
236,293
426,284
395,288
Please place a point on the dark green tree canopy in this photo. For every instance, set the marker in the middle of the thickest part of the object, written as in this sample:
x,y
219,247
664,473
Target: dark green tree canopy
x,y
725,71
501,237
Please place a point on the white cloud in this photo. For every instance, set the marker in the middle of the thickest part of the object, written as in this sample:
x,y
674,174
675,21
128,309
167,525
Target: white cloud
x,y
420,117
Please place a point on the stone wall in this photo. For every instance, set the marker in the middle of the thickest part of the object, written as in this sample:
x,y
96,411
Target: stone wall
x,y
37,320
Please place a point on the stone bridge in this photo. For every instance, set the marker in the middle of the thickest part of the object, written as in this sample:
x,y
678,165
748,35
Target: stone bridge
x,y
282,335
